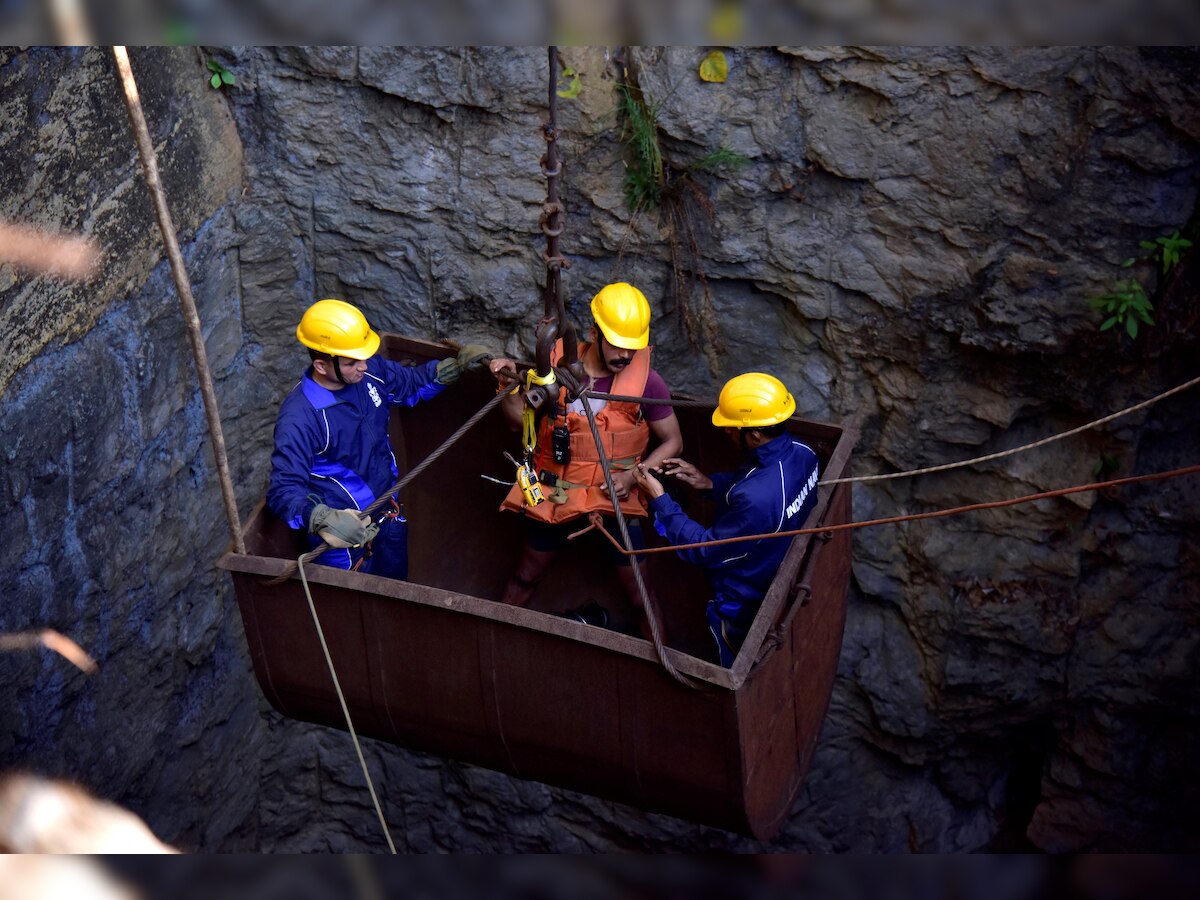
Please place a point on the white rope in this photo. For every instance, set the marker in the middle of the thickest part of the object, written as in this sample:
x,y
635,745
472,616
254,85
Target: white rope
x,y
345,710
1014,450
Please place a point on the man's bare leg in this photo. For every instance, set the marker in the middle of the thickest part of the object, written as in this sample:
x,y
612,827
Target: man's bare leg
x,y
533,565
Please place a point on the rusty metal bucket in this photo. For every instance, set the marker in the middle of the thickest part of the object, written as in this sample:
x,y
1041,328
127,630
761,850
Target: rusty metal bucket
x,y
432,664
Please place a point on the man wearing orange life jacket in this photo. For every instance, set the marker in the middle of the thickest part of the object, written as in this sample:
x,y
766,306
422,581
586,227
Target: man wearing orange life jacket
x,y
617,361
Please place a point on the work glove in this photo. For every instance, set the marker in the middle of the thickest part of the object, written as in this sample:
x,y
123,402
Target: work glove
x,y
449,369
340,528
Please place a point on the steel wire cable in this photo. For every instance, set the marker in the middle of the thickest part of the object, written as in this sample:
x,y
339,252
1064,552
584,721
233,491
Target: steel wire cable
x,y
944,466
647,607
911,517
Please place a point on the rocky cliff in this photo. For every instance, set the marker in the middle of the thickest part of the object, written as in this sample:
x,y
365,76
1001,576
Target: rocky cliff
x,y
909,243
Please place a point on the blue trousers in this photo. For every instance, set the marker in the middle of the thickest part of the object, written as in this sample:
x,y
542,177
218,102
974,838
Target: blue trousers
x,y
729,631
386,555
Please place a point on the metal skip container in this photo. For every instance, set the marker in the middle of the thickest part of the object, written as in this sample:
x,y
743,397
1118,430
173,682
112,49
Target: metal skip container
x,y
433,664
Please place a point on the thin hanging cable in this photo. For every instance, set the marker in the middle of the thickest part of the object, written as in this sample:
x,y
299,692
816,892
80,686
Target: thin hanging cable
x,y
647,608
945,466
1002,453
892,520
183,287
312,608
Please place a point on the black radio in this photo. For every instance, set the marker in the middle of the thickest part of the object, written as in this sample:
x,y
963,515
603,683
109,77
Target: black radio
x,y
560,443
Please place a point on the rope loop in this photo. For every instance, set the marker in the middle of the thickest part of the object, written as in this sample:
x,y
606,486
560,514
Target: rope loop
x,y
532,378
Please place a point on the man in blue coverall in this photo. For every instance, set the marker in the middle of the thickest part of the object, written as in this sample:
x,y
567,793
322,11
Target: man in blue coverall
x,y
332,457
773,490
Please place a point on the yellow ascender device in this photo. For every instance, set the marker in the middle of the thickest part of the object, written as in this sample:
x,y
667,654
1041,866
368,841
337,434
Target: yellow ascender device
x,y
527,479
530,486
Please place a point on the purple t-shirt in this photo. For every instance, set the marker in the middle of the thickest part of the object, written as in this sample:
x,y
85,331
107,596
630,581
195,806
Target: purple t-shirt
x,y
656,389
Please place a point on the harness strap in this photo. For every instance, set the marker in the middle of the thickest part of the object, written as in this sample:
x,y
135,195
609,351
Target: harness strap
x,y
555,488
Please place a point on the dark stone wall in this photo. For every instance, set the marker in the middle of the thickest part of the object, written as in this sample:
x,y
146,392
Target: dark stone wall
x,y
910,247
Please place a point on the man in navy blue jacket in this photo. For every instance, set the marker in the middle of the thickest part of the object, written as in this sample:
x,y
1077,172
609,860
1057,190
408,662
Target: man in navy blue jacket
x,y
773,490
332,457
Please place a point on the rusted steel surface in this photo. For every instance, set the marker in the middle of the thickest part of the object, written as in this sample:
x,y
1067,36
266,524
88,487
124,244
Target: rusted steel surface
x,y
435,665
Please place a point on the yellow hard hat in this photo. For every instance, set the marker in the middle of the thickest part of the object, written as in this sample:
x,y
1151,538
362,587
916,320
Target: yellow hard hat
x,y
753,400
622,315
337,328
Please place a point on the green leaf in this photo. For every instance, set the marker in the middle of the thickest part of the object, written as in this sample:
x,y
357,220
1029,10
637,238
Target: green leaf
x,y
1148,245
569,78
215,81
214,66
1099,302
1108,323
1131,326
714,67
1144,316
1129,262
227,77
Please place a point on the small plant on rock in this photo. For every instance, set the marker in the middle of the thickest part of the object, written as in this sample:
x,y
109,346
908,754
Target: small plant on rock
x,y
1127,303
651,179
654,181
1167,249
221,76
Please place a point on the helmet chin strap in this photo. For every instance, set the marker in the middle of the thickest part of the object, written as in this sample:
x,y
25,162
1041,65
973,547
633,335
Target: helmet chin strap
x,y
334,363
337,369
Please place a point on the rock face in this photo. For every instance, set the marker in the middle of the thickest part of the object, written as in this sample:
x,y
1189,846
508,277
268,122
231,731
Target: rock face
x,y
910,247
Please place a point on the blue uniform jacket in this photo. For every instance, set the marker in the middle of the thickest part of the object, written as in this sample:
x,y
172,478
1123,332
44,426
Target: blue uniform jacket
x,y
774,491
334,444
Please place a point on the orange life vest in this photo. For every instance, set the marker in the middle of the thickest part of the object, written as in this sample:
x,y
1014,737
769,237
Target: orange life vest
x,y
626,435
